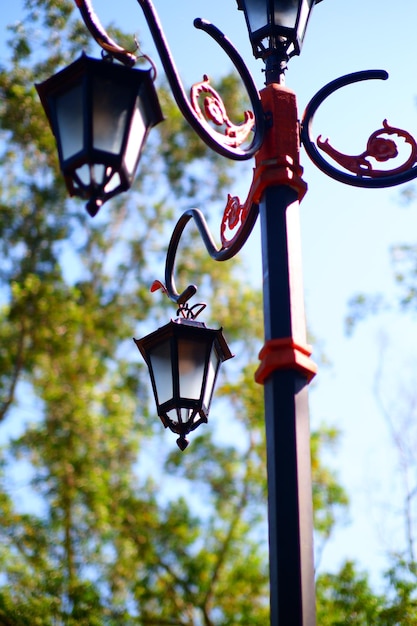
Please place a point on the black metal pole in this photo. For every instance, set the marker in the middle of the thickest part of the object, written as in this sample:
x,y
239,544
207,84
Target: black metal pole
x,y
287,418
286,368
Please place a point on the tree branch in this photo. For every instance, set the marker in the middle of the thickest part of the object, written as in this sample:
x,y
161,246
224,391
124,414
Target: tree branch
x,y
223,549
18,366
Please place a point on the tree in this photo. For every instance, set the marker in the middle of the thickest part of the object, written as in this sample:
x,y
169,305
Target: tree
x,y
101,535
396,401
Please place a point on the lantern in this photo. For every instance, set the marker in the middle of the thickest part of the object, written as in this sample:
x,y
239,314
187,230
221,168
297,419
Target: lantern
x,y
276,24
100,113
183,358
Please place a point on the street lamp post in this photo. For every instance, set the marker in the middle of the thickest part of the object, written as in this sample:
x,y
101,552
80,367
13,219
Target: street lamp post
x,y
183,376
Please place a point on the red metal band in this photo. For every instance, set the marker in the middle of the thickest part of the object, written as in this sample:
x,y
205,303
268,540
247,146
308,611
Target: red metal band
x,y
278,354
278,160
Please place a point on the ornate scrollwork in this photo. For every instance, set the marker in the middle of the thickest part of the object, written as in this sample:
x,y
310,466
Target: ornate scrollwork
x,y
227,250
379,146
215,111
234,217
228,147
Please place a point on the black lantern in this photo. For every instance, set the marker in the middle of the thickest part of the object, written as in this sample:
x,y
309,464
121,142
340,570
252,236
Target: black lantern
x,y
276,24
183,358
100,113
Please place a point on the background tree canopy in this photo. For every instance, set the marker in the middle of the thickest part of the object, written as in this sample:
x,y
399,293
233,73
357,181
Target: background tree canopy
x,y
103,520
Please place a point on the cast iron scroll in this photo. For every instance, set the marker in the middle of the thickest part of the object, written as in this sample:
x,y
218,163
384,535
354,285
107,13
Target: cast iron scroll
x,y
212,138
378,147
218,254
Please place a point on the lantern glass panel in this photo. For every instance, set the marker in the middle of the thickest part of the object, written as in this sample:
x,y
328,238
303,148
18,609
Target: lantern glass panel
x,y
257,15
285,13
191,366
114,182
135,139
83,173
180,415
86,172
160,357
110,111
69,112
304,16
213,365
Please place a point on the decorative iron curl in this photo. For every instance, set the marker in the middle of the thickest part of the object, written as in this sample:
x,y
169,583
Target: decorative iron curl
x,y
214,110
224,253
377,147
101,36
200,126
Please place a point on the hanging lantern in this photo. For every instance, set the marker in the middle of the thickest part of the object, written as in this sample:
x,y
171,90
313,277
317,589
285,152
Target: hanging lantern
x,y
100,113
276,24
183,358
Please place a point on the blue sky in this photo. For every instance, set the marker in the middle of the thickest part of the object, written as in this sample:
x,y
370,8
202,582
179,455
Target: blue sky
x,y
346,232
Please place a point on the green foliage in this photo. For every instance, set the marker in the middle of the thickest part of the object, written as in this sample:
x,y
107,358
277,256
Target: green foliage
x,y
347,598
94,541
402,605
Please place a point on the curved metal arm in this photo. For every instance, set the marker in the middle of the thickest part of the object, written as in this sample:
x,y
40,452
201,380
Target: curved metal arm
x,y
204,131
101,36
218,254
381,149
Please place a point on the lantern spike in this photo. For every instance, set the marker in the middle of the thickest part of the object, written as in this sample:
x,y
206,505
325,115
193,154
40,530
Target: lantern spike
x,y
182,443
93,206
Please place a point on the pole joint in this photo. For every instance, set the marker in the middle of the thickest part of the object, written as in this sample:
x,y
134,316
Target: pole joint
x,y
278,160
281,354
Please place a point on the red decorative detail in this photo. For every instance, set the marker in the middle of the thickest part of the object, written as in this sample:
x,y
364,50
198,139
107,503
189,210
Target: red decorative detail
x,y
278,354
234,216
378,147
215,111
158,285
233,213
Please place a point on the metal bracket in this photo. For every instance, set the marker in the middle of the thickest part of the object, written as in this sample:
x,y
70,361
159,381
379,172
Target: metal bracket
x,y
378,147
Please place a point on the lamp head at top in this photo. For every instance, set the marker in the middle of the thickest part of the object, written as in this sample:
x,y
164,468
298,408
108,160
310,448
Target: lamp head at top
x,y
276,25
